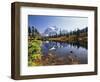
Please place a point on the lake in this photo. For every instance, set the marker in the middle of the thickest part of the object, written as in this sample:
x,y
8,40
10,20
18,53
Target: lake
x,y
63,53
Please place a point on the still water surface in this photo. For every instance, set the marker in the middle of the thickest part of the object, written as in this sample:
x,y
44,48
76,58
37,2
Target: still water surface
x,y
65,53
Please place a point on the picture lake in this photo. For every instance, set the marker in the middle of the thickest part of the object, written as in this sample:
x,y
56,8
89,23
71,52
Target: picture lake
x,y
60,53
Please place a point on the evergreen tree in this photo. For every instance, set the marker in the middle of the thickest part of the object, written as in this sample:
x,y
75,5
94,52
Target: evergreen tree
x,y
29,31
33,32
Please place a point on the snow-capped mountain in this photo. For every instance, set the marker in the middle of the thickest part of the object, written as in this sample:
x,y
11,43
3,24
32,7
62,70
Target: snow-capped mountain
x,y
50,31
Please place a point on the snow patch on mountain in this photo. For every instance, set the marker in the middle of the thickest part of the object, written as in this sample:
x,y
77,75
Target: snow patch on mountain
x,y
52,30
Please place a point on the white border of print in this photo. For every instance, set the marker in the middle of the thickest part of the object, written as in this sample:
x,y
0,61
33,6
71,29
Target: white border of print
x,y
25,70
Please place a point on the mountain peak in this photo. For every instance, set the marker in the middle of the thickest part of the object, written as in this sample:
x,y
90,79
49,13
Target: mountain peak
x,y
52,30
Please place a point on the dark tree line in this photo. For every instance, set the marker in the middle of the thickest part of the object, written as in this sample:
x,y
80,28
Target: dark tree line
x,y
32,31
74,32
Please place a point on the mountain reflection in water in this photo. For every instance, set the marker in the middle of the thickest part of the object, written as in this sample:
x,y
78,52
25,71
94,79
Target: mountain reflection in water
x,y
61,53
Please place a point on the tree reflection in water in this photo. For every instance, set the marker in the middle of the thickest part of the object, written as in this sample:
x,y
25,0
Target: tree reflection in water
x,y
61,53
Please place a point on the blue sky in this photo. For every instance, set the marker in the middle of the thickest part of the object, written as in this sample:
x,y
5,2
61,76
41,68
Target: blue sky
x,y
61,22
